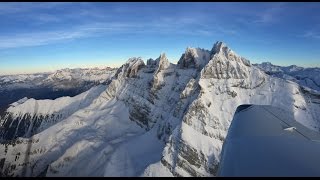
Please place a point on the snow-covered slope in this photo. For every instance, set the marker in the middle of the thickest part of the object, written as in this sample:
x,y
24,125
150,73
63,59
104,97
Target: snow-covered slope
x,y
154,119
308,77
29,116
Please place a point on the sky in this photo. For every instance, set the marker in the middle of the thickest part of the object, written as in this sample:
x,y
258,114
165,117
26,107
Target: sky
x,y
42,37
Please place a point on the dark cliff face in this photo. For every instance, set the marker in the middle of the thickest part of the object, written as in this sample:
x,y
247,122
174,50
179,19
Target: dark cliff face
x,y
24,125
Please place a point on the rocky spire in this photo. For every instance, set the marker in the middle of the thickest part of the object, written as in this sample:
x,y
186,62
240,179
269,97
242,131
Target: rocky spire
x,y
130,68
194,58
221,48
224,52
162,62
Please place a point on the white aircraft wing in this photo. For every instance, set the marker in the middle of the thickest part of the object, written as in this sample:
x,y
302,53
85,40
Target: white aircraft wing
x,y
267,141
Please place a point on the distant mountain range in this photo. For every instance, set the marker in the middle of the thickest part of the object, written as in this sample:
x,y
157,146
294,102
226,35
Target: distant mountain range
x,y
65,82
153,119
308,77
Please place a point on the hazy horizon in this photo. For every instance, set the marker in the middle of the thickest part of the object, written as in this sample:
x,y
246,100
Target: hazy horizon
x,y
111,66
41,37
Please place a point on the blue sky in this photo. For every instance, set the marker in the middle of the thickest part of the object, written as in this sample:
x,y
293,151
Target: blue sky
x,y
38,37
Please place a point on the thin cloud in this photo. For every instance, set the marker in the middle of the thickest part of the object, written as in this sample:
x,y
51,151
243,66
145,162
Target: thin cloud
x,y
270,15
42,18
183,26
94,21
311,34
204,32
36,39
49,37
15,7
43,38
52,12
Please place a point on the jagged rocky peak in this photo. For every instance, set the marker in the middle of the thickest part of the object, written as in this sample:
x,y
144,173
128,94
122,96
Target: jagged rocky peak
x,y
131,68
162,57
221,49
194,58
162,61
225,64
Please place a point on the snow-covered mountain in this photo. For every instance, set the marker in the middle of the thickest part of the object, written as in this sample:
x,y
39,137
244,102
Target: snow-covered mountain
x,y
65,82
154,119
28,80
308,77
21,80
88,74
